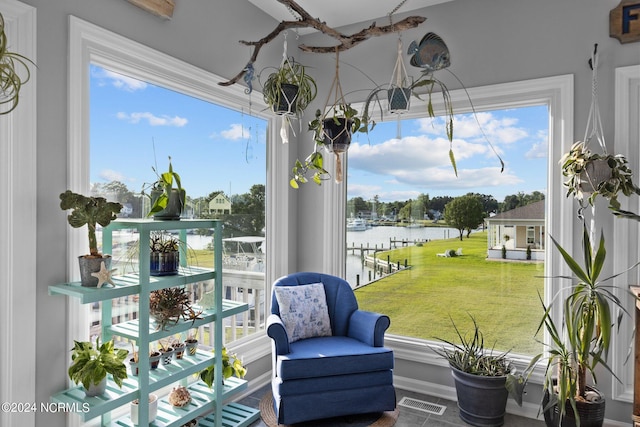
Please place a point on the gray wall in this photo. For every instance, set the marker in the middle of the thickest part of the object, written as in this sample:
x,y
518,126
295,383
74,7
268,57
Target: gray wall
x,y
491,41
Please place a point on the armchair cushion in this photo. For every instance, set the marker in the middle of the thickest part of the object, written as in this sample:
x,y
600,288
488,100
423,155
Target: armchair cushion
x,y
304,311
328,356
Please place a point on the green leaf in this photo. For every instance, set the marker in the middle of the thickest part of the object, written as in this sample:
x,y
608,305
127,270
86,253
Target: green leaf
x,y
453,161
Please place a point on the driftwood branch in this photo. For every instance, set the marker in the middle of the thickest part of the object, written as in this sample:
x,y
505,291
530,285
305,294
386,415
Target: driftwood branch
x,y
306,20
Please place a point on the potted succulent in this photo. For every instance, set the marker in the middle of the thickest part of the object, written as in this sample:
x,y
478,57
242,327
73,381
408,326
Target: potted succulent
x,y
581,343
14,72
90,365
91,211
164,256
480,377
167,202
166,353
289,89
167,306
231,366
192,344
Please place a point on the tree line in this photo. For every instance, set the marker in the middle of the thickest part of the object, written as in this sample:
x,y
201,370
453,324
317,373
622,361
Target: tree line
x,y
247,217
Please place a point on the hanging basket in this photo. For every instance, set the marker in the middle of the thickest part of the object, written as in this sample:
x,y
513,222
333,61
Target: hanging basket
x,y
399,99
287,100
337,136
596,172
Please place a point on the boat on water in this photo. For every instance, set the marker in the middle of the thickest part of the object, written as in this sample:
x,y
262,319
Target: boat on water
x,y
356,224
245,253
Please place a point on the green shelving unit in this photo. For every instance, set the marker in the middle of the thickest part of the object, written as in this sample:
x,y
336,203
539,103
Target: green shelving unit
x,y
205,402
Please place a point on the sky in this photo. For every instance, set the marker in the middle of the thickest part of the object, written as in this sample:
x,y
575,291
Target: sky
x,y
136,126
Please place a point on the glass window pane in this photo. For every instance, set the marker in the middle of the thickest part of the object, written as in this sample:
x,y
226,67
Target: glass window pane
x,y
137,129
408,262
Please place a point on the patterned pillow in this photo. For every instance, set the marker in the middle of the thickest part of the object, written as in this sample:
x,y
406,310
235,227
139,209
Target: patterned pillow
x,y
303,310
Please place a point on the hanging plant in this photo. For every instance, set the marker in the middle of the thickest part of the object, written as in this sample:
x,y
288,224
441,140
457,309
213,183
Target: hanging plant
x,y
14,72
332,131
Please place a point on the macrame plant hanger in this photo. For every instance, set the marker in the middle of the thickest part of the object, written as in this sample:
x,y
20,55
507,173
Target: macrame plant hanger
x,y
592,132
338,99
286,117
399,95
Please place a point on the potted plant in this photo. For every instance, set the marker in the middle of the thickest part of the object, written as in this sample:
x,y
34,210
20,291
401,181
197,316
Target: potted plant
x,y
164,256
231,366
166,352
480,377
593,174
153,409
90,365
14,72
167,202
167,306
192,344
581,343
289,89
90,211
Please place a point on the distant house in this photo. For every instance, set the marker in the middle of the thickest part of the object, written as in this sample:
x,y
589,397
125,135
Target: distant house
x,y
517,230
220,205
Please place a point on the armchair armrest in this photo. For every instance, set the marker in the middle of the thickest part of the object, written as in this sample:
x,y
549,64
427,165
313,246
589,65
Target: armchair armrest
x,y
278,333
368,327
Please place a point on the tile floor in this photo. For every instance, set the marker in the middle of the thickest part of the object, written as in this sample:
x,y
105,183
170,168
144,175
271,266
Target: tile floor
x,y
412,417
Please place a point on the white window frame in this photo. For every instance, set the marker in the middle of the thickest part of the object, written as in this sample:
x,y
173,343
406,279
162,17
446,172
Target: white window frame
x,y
91,44
625,247
557,94
18,191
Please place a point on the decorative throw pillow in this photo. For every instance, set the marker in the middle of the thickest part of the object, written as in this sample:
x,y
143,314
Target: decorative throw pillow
x,y
303,310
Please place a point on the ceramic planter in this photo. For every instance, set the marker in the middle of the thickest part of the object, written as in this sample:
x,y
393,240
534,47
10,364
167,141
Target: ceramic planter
x,y
134,367
399,99
97,389
154,359
164,263
337,136
192,346
153,409
89,265
178,350
174,207
287,102
591,413
482,401
596,172
167,355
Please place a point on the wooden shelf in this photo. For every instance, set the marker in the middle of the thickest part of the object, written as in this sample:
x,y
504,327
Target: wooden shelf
x,y
130,285
131,328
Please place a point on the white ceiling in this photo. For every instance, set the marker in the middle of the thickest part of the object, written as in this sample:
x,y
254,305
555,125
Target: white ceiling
x,y
338,13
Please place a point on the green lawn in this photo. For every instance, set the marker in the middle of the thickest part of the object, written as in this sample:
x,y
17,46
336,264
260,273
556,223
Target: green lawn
x,y
502,296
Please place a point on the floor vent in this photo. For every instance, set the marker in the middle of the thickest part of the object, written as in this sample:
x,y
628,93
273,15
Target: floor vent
x,y
421,405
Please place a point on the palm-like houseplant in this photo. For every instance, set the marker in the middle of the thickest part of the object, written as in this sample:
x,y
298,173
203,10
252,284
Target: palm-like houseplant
x,y
581,343
14,72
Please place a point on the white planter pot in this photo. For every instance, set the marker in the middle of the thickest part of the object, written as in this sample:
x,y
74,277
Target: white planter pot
x,y
153,409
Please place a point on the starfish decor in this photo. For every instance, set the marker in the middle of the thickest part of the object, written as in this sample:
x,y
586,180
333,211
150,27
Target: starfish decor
x,y
345,41
104,275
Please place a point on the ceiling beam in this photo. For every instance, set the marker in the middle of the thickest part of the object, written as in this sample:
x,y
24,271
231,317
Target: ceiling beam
x,y
161,8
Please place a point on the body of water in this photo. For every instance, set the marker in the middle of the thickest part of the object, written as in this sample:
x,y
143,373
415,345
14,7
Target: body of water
x,y
381,237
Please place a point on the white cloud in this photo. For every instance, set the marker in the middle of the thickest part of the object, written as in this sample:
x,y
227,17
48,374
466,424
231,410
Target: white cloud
x,y
539,149
466,126
119,81
235,132
110,175
152,119
421,162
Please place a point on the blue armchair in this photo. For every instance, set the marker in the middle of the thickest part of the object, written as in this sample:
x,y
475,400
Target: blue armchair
x,y
320,370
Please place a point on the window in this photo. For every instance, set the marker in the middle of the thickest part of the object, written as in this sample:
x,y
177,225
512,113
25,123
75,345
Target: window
x,y
547,99
98,50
